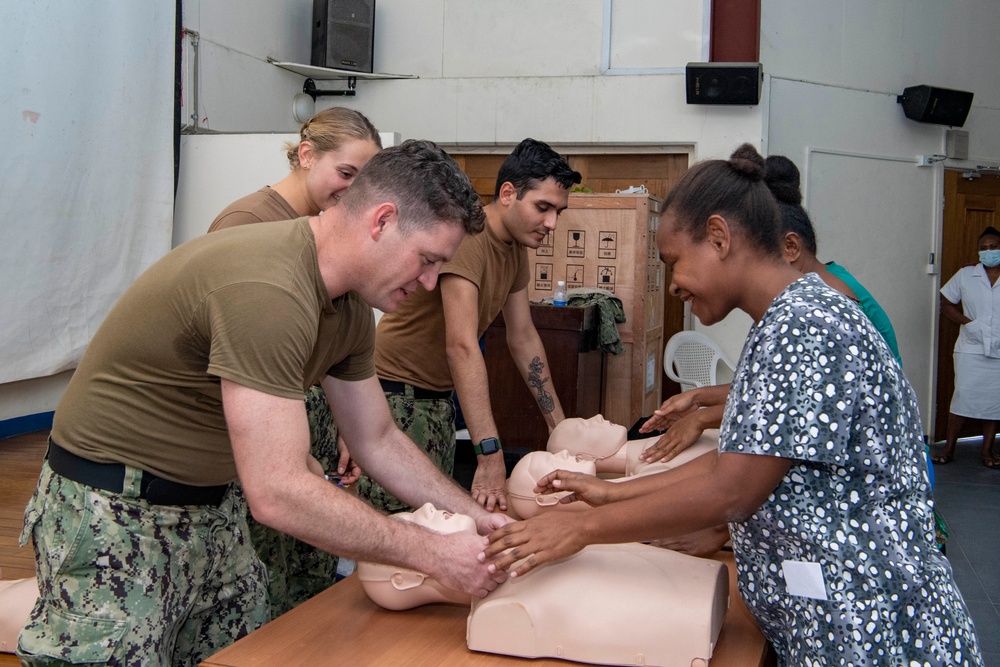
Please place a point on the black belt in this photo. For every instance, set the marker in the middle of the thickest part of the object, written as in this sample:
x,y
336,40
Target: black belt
x,y
394,387
111,477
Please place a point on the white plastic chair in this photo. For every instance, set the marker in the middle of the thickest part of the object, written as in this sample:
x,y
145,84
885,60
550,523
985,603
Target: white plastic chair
x,y
692,360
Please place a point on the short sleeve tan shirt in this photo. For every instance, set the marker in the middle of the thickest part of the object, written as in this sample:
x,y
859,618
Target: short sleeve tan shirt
x,y
265,205
410,345
245,304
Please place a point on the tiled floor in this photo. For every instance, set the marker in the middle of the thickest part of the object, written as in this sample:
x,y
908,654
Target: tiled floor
x,y
968,497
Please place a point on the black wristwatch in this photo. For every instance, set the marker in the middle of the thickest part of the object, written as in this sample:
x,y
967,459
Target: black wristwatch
x,y
487,446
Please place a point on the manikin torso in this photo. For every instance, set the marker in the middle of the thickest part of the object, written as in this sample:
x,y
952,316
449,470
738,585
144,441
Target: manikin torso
x,y
617,604
642,604
603,442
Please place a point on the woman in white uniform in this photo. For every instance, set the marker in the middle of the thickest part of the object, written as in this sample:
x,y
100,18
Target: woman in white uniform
x,y
972,298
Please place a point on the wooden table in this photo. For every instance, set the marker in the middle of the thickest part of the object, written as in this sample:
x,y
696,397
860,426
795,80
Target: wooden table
x,y
341,626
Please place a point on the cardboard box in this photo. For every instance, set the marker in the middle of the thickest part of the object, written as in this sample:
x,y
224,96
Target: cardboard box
x,y
609,241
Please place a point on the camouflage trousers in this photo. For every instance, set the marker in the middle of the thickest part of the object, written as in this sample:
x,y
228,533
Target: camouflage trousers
x,y
430,423
297,570
124,582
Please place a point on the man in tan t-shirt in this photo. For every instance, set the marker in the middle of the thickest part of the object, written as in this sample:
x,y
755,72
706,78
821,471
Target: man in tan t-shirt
x,y
196,378
430,345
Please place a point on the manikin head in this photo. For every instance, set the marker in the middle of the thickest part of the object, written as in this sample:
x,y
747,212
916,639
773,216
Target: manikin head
x,y
397,588
521,497
589,439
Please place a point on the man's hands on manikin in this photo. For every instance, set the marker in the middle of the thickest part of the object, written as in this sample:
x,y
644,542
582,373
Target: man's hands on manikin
x,y
455,569
457,565
489,482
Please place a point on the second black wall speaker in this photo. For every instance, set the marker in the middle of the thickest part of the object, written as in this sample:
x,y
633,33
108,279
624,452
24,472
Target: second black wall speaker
x,y
724,83
941,106
343,34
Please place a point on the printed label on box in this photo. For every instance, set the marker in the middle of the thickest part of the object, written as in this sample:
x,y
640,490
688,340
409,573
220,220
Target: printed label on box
x,y
606,278
574,275
576,243
543,277
650,372
546,248
607,247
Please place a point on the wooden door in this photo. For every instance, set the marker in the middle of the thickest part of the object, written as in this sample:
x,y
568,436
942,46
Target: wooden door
x,y
970,205
604,173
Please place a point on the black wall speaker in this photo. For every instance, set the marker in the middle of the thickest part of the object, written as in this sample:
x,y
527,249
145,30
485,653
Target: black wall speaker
x,y
724,83
927,104
343,34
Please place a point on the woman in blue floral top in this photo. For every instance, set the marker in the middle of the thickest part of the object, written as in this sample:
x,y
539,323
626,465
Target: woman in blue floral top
x,y
820,471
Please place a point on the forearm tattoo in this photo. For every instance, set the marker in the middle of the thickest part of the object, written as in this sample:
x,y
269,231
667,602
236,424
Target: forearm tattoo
x,y
546,403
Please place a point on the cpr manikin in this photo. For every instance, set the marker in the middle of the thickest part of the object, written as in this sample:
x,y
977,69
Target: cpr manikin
x,y
615,604
598,440
643,605
523,502
590,446
397,588
594,439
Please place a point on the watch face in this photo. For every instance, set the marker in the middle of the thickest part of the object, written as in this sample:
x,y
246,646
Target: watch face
x,y
489,446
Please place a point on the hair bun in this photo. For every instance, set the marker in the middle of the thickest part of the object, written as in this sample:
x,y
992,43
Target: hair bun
x,y
746,161
782,178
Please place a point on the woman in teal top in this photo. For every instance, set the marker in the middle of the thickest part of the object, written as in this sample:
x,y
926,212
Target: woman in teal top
x,y
869,306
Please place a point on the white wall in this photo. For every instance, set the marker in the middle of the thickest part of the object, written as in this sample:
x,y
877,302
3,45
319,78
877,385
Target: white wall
x,y
237,89
218,169
492,77
835,69
485,76
884,46
32,397
588,73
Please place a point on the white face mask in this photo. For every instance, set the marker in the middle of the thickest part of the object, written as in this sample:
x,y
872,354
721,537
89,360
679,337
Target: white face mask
x,y
989,258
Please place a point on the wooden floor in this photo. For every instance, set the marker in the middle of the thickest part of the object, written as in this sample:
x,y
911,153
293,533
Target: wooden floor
x,y
20,462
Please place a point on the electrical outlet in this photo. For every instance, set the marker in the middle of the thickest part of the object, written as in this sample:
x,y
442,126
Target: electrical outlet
x,y
924,160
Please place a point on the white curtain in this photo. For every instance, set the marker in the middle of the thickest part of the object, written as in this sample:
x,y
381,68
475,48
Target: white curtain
x,y
86,169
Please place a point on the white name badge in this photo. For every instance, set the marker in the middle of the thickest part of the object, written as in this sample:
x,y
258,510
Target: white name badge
x,y
804,579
